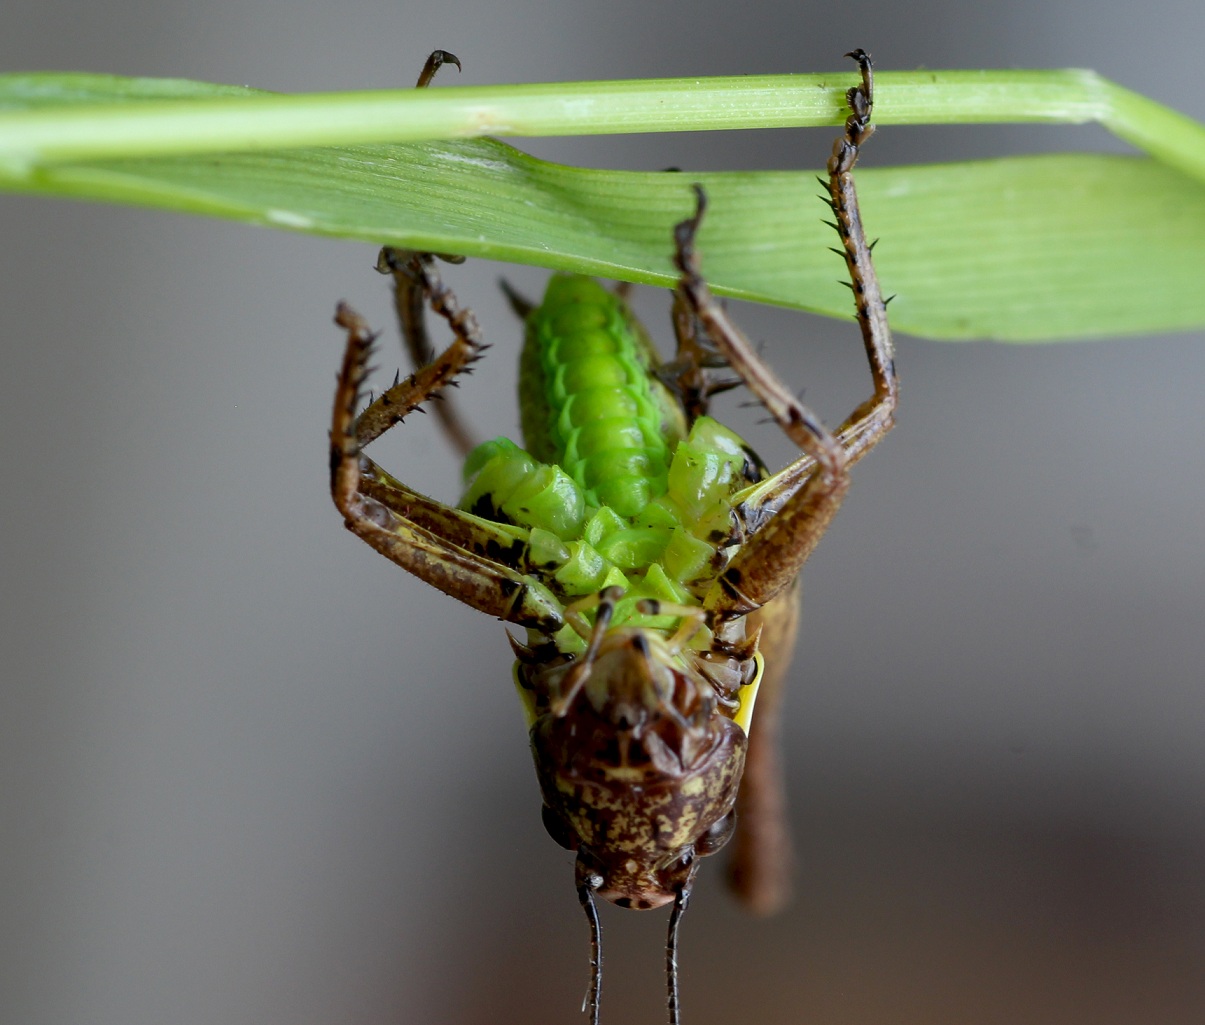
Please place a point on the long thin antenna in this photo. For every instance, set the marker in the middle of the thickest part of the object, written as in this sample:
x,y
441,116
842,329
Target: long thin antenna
x,y
585,893
671,945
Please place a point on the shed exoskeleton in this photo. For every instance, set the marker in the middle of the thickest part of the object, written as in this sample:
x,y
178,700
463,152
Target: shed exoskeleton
x,y
647,553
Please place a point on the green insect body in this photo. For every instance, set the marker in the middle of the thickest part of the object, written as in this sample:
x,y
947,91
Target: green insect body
x,y
611,487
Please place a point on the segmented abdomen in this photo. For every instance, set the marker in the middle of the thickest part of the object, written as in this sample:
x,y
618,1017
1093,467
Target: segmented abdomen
x,y
613,489
588,402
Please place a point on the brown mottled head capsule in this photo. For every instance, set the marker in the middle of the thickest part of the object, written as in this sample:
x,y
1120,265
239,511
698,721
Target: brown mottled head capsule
x,y
639,774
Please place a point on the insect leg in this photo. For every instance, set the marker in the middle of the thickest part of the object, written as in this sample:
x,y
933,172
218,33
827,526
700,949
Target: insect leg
x,y
761,862
388,526
436,61
760,869
869,423
759,580
866,426
691,375
579,672
793,510
771,559
436,373
409,297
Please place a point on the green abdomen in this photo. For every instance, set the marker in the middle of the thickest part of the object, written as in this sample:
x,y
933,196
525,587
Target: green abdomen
x,y
587,399
612,489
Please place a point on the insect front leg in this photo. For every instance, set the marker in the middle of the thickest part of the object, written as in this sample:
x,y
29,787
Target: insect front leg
x,y
436,374
382,515
409,297
410,301
691,376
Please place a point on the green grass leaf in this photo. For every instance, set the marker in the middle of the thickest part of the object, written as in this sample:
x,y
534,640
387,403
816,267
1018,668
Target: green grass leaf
x,y
1021,249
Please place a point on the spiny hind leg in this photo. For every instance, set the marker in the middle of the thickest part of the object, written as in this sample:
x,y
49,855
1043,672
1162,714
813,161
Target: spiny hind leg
x,y
436,544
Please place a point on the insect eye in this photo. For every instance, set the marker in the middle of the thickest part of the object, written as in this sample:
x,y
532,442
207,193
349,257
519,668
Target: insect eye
x,y
559,829
718,835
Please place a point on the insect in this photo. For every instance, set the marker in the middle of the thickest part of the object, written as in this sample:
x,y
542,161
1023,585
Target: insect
x,y
645,551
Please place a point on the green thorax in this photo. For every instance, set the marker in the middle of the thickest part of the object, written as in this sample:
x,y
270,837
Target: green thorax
x,y
612,486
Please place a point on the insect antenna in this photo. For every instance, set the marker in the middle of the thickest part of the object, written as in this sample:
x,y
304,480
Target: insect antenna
x,y
585,893
671,945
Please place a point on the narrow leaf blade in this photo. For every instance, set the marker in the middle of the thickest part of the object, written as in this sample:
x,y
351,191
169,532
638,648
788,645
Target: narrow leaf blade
x,y
1027,248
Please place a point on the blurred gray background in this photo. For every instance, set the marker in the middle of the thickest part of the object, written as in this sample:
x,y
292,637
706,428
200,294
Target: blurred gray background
x,y
253,773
